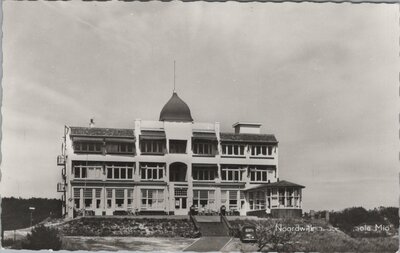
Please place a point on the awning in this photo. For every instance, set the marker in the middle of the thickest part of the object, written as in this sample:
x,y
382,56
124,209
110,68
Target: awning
x,y
152,135
125,140
87,139
204,136
204,165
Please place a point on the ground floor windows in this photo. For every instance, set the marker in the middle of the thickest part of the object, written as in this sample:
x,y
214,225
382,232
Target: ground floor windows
x,y
204,199
152,199
287,197
180,195
77,198
233,200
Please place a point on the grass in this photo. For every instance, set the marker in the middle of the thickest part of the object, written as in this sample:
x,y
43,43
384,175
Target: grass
x,y
326,239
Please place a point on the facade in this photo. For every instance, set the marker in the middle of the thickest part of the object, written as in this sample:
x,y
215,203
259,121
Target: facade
x,y
166,166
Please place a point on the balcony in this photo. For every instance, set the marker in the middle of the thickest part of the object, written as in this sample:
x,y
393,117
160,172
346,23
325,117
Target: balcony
x,y
60,160
61,187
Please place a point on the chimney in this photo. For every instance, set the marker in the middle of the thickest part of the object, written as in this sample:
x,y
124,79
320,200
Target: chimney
x,y
247,128
91,124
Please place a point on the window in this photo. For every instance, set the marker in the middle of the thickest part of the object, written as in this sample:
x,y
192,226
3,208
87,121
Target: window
x,y
204,173
109,197
233,174
260,200
251,200
261,150
119,148
88,197
233,149
89,170
120,171
274,197
204,148
119,198
130,197
152,171
281,197
152,199
98,198
77,197
233,201
259,174
152,146
204,199
177,146
88,147
289,197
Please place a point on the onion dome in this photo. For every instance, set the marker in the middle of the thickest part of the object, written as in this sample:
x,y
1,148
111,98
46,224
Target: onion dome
x,y
176,110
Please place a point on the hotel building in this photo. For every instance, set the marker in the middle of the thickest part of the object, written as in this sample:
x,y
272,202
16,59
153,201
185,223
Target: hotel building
x,y
168,165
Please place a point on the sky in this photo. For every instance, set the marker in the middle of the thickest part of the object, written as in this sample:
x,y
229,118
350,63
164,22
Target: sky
x,y
322,77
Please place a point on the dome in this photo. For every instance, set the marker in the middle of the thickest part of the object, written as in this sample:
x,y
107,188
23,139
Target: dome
x,y
176,110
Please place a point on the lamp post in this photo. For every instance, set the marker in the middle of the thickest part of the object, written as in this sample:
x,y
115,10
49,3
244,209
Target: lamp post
x,y
31,209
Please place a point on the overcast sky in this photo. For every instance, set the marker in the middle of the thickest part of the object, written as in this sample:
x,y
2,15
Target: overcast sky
x,y
322,77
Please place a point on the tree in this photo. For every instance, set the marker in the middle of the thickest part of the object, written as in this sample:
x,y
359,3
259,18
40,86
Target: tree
x,y
42,237
271,234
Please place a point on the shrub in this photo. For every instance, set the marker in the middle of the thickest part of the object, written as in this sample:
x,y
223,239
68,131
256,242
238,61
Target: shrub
x,y
42,237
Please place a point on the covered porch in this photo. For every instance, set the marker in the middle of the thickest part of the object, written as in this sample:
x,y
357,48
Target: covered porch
x,y
278,200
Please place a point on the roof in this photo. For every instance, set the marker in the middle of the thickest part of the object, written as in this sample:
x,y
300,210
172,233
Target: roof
x,y
102,132
281,183
204,136
147,134
176,110
248,137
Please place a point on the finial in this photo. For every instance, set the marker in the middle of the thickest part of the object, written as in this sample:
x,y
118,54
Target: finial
x,y
174,77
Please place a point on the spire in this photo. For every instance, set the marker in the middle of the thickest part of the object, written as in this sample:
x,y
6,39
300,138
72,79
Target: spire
x,y
174,78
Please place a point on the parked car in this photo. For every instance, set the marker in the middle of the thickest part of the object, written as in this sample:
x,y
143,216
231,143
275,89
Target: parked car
x,y
248,234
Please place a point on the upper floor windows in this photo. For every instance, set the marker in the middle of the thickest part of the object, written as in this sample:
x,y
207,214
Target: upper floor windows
x,y
152,171
260,174
199,173
119,172
233,149
260,150
88,147
231,173
87,170
120,148
152,146
204,148
177,146
104,147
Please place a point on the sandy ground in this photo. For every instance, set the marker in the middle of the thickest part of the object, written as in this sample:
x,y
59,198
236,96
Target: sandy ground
x,y
125,243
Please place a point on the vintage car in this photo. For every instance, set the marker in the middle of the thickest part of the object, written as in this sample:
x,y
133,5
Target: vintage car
x,y
248,234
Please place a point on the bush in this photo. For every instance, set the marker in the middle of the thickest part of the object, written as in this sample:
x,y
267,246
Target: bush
x,y
42,237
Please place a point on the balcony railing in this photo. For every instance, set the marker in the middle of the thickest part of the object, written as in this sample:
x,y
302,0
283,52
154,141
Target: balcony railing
x,y
60,160
61,187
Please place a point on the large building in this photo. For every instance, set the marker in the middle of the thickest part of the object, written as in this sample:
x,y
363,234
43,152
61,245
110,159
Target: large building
x,y
167,166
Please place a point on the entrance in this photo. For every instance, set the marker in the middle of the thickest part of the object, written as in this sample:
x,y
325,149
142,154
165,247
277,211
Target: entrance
x,y
181,207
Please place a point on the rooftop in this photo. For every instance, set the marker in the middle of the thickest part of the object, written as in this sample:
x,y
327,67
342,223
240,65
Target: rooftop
x,y
248,137
102,132
176,110
282,183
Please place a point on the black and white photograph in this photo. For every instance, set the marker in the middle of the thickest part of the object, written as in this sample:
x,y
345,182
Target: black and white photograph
x,y
200,126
